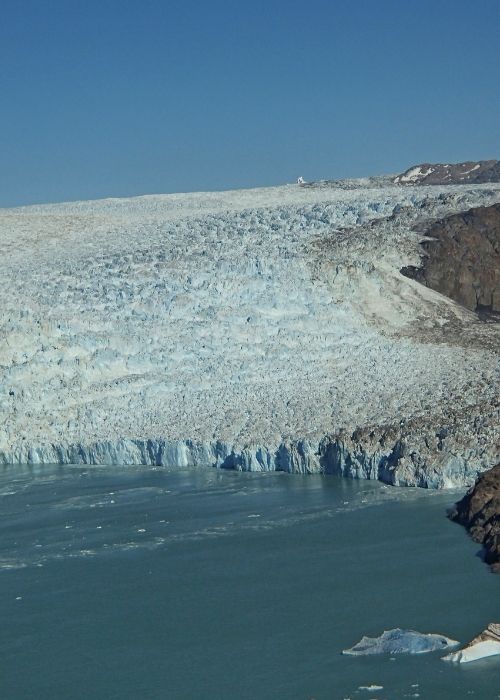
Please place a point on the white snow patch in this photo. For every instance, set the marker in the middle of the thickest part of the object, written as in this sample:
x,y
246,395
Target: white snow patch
x,y
414,175
467,172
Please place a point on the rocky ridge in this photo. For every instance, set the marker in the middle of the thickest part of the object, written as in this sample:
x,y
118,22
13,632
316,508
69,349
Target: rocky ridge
x,y
470,172
479,512
462,258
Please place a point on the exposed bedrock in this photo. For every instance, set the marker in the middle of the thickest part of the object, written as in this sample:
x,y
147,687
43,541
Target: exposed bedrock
x,y
462,258
479,512
472,172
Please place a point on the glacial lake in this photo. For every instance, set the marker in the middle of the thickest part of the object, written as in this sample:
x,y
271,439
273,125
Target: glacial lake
x,y
140,583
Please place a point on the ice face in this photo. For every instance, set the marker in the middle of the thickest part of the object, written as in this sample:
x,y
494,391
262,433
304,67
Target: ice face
x,y
474,652
487,643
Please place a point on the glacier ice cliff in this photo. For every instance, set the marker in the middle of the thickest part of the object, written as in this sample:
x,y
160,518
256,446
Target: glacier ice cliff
x,y
266,329
407,456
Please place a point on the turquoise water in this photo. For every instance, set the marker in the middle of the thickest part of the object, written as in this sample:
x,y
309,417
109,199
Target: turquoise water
x,y
204,584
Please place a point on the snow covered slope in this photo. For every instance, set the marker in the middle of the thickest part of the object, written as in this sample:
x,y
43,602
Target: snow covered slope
x,y
258,329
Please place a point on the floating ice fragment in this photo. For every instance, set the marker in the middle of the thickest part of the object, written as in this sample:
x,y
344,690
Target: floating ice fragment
x,y
485,644
398,641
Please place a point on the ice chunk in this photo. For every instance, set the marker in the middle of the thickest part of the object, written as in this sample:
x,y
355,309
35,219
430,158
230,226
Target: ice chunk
x,y
485,644
398,641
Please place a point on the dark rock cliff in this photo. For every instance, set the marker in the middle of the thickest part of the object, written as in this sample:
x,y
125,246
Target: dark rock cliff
x,y
479,512
462,260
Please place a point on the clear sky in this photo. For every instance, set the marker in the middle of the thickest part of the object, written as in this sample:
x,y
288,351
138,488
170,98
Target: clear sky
x,y
121,97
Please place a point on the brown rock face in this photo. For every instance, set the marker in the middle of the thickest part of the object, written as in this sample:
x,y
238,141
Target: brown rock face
x,y
479,512
463,260
470,172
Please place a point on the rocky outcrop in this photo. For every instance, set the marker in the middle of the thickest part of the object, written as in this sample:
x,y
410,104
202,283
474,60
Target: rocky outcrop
x,y
462,258
470,172
479,512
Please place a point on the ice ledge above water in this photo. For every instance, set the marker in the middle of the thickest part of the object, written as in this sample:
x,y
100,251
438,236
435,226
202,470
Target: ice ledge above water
x,y
359,456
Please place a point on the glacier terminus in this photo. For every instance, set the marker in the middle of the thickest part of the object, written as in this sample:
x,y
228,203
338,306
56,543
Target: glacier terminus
x,y
264,329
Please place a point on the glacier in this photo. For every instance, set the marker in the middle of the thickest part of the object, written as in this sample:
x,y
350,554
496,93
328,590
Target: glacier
x,y
265,329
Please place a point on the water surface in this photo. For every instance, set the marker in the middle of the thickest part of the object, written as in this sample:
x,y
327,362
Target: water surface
x,y
205,584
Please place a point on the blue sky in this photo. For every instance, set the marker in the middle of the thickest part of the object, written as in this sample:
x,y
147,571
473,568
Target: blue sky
x,y
116,98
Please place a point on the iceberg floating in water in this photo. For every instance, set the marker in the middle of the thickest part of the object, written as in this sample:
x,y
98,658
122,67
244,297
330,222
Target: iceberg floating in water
x,y
398,641
485,644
